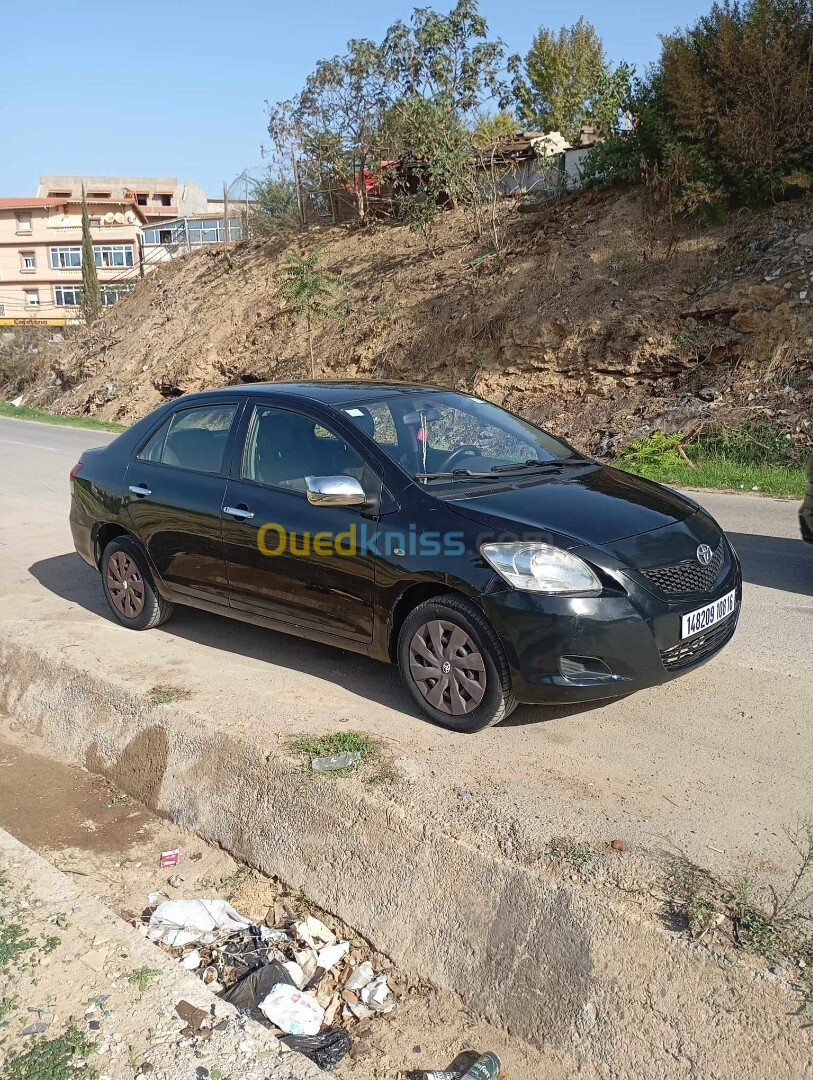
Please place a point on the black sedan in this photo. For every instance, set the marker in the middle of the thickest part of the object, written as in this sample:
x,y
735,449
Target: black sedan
x,y
493,562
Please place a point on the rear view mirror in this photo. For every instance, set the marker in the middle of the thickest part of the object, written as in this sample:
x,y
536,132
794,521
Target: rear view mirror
x,y
334,491
428,415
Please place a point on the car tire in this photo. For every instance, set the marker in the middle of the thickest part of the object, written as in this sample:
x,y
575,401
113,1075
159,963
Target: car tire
x,y
451,636
129,587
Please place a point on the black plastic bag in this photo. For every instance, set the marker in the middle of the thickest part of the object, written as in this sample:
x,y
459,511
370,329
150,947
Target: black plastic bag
x,y
248,992
325,1049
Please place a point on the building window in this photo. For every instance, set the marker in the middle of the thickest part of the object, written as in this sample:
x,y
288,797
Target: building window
x,y
23,223
28,260
113,254
142,198
163,199
59,194
68,295
95,222
32,298
111,294
66,258
98,194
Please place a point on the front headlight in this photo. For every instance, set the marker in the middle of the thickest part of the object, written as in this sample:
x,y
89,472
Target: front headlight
x,y
541,568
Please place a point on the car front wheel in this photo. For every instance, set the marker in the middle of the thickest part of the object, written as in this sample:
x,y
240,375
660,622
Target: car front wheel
x,y
454,665
129,587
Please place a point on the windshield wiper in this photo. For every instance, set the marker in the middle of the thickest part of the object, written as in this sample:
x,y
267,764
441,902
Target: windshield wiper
x,y
455,474
535,463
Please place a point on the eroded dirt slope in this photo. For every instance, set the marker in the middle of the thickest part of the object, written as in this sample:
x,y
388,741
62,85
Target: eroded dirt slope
x,y
591,319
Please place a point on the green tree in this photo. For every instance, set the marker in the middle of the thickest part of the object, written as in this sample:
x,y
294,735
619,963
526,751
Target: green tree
x,y
332,125
382,101
447,58
274,204
310,290
91,293
737,91
565,81
489,129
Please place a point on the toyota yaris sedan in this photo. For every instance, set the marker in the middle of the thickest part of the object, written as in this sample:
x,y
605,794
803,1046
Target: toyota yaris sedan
x,y
490,560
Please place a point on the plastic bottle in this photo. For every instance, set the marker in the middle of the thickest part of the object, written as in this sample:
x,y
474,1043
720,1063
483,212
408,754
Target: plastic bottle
x,y
335,761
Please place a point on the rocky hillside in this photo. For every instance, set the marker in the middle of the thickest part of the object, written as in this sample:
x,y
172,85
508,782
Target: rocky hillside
x,y
592,320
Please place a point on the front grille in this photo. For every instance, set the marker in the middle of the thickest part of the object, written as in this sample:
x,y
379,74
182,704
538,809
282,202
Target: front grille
x,y
700,647
687,577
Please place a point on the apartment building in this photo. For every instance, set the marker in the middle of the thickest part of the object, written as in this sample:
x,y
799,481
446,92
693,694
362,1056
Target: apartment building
x,y
41,255
160,198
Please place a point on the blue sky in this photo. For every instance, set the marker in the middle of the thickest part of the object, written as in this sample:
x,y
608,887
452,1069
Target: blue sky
x,y
179,89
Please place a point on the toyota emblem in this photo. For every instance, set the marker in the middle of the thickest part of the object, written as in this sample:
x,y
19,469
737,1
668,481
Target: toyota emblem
x,y
704,554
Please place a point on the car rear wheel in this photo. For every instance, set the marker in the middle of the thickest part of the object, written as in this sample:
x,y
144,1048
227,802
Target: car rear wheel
x,y
129,587
454,665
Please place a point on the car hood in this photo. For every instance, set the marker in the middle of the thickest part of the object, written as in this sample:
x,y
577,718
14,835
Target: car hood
x,y
589,506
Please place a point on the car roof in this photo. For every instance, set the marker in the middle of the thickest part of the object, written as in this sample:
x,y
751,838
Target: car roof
x,y
328,393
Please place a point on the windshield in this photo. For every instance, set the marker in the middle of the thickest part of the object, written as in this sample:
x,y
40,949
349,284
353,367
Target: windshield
x,y
440,437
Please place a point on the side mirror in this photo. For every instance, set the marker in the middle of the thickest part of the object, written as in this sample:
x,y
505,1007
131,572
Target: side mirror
x,y
335,491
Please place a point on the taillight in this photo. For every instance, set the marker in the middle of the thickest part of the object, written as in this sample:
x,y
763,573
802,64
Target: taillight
x,y
76,470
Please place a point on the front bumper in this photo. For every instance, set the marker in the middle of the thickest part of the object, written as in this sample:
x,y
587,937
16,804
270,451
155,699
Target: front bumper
x,y
634,632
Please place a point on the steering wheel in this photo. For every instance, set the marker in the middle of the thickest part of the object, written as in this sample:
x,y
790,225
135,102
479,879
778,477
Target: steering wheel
x,y
462,451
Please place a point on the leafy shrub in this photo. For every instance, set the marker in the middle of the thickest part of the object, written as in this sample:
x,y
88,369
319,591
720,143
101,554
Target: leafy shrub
x,y
653,451
750,444
617,161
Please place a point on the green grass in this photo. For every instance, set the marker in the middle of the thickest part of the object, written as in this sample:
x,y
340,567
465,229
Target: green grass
x,y
52,1059
13,943
565,849
740,458
340,742
24,413
164,694
724,475
142,977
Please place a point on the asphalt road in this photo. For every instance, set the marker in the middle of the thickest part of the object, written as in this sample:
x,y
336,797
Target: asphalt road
x,y
716,764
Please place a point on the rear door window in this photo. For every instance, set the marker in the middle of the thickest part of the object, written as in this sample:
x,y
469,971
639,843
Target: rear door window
x,y
193,439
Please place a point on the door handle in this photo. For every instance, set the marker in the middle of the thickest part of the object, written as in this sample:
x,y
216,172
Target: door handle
x,y
140,490
238,512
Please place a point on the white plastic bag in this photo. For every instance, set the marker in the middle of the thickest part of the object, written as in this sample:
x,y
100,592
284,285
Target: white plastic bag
x,y
180,922
330,955
292,1010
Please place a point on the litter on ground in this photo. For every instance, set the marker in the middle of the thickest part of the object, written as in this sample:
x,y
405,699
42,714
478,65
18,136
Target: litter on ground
x,y
294,975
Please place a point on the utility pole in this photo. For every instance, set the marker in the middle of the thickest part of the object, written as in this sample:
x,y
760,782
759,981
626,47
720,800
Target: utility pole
x,y
245,230
225,213
140,255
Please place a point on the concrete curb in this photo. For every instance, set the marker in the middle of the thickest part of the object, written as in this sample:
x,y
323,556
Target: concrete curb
x,y
612,994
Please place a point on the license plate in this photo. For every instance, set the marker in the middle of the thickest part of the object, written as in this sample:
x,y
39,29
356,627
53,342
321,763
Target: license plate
x,y
698,621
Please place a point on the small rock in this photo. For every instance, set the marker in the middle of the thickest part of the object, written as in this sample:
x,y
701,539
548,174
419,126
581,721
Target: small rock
x,y
34,1029
95,959
708,393
175,881
778,971
619,845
